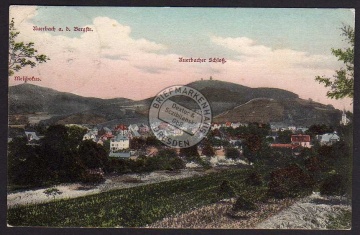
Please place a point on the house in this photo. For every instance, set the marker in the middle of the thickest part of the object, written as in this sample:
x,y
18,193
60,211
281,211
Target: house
x,y
292,128
235,125
99,141
302,129
121,129
143,128
32,138
133,127
215,126
328,138
119,142
89,136
104,130
228,124
31,135
134,133
106,136
301,140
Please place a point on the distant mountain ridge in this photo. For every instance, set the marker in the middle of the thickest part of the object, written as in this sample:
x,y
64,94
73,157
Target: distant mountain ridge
x,y
237,103
229,102
29,98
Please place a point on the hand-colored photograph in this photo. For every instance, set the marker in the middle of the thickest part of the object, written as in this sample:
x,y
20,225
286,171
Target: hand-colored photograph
x,y
180,117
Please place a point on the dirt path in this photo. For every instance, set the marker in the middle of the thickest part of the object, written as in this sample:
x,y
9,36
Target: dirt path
x,y
219,216
311,212
113,182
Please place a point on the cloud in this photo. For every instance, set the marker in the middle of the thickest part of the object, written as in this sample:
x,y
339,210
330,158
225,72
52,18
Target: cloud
x,y
243,45
259,65
109,62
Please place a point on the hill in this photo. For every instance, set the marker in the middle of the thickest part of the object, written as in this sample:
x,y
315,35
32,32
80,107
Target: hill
x,y
28,98
237,103
225,95
290,111
66,107
229,102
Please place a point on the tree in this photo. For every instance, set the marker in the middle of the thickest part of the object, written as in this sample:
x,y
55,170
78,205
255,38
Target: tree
x,y
190,153
26,167
284,137
319,129
167,153
232,153
342,83
208,150
22,54
59,148
93,155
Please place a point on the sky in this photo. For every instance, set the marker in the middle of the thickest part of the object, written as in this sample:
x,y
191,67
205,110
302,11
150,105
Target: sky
x,y
133,52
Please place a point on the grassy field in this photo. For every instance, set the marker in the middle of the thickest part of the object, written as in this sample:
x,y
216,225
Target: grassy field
x,y
131,207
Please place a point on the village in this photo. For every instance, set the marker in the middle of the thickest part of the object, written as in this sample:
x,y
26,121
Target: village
x,y
120,140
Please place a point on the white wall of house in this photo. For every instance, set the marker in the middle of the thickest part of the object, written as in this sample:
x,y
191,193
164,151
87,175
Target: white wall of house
x,y
120,144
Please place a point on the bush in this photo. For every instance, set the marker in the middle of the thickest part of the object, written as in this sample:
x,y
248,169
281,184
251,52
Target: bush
x,y
226,190
232,153
243,204
334,185
254,179
290,181
177,163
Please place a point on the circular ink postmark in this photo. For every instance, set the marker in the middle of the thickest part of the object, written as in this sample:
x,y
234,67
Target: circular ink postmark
x,y
180,116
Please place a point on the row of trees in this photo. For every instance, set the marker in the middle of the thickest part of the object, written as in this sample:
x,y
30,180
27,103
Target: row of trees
x,y
324,168
61,156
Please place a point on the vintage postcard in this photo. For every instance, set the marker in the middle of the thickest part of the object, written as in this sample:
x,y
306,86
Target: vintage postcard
x,y
162,117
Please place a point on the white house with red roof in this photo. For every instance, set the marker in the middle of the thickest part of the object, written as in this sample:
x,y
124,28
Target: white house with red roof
x,y
301,140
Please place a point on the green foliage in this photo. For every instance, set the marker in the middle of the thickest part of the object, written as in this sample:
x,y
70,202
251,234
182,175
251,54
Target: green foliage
x,y
208,150
341,221
232,153
22,54
166,159
253,178
284,137
342,83
334,184
190,154
92,154
140,143
226,190
153,141
26,166
290,181
319,129
243,204
131,207
61,156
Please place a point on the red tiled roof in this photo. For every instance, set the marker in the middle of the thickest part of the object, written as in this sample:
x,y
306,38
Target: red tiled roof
x,y
121,127
300,138
281,145
107,135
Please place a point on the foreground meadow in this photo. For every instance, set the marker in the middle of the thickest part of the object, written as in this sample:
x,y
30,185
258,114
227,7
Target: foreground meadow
x,y
130,207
